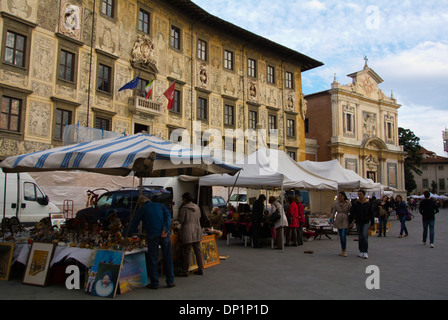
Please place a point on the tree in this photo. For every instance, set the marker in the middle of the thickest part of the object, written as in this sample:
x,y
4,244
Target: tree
x,y
413,158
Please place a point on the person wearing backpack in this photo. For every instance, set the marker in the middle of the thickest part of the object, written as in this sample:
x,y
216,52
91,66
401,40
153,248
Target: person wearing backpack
x,y
383,216
428,210
402,213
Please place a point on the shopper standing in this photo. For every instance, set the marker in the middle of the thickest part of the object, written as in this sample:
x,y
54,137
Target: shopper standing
x,y
428,210
292,231
257,219
402,213
281,223
190,234
383,216
301,220
361,213
157,222
340,217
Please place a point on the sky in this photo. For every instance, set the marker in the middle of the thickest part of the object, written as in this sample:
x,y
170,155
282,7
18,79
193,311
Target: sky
x,y
406,43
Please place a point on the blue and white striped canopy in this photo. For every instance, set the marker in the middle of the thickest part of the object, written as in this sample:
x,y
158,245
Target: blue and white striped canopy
x,y
146,155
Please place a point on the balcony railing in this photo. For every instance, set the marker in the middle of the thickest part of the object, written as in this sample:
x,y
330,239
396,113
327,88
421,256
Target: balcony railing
x,y
142,105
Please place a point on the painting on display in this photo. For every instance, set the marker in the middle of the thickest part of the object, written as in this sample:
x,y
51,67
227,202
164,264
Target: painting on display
x,y
6,253
38,264
210,255
134,273
102,257
106,280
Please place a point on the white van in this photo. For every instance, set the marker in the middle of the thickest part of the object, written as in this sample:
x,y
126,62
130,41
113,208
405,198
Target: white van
x,y
21,197
176,187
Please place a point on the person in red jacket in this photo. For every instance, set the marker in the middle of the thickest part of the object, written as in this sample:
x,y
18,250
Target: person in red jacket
x,y
301,220
293,213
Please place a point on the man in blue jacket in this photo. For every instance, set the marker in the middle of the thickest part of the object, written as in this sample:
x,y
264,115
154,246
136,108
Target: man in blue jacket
x,y
157,222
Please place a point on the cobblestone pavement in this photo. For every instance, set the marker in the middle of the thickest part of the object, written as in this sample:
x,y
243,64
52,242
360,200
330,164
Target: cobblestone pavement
x,y
407,270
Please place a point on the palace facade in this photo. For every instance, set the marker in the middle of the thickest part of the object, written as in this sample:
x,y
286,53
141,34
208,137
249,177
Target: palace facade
x,y
64,61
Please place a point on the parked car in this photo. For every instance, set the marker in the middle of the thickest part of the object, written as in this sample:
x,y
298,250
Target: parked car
x,y
124,202
219,202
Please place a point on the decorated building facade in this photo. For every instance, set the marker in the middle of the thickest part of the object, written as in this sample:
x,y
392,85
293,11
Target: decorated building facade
x,y
357,124
64,61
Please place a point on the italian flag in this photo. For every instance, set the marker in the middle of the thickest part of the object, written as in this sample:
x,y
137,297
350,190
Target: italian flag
x,y
148,88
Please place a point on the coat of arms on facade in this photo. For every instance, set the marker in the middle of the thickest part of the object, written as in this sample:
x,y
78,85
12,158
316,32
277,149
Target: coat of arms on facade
x,y
143,52
290,103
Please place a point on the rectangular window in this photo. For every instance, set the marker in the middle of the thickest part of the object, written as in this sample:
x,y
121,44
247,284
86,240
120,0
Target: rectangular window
x,y
228,60
10,114
229,115
271,74
272,122
66,66
176,102
292,154
202,108
103,123
175,37
251,68
425,183
63,118
349,122
143,21
104,78
202,50
107,8
291,128
253,119
389,132
15,49
289,82
141,86
441,184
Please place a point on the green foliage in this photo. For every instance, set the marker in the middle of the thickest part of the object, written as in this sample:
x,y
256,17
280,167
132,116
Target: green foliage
x,y
413,157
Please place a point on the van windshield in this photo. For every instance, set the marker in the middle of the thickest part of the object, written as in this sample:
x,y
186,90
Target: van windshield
x,y
238,197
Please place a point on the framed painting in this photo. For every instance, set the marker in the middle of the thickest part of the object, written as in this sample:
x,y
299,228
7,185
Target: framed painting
x,y
109,257
106,280
210,255
38,264
6,253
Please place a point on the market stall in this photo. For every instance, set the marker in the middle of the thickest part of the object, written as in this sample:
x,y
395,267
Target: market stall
x,y
141,155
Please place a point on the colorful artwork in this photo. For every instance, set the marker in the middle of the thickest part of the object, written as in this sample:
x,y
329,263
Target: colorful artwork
x,y
70,20
108,257
210,253
106,280
133,274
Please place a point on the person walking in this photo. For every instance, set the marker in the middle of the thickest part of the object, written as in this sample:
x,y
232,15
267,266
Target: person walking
x,y
340,216
361,213
402,213
257,219
281,223
428,210
292,231
383,216
157,222
190,234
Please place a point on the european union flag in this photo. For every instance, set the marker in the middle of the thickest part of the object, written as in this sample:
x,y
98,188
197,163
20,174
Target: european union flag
x,y
130,85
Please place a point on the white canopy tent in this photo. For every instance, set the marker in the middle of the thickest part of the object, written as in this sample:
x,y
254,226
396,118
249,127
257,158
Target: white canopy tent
x,y
267,169
346,179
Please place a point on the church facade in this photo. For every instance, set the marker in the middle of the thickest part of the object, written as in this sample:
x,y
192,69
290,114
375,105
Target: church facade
x,y
64,61
357,124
